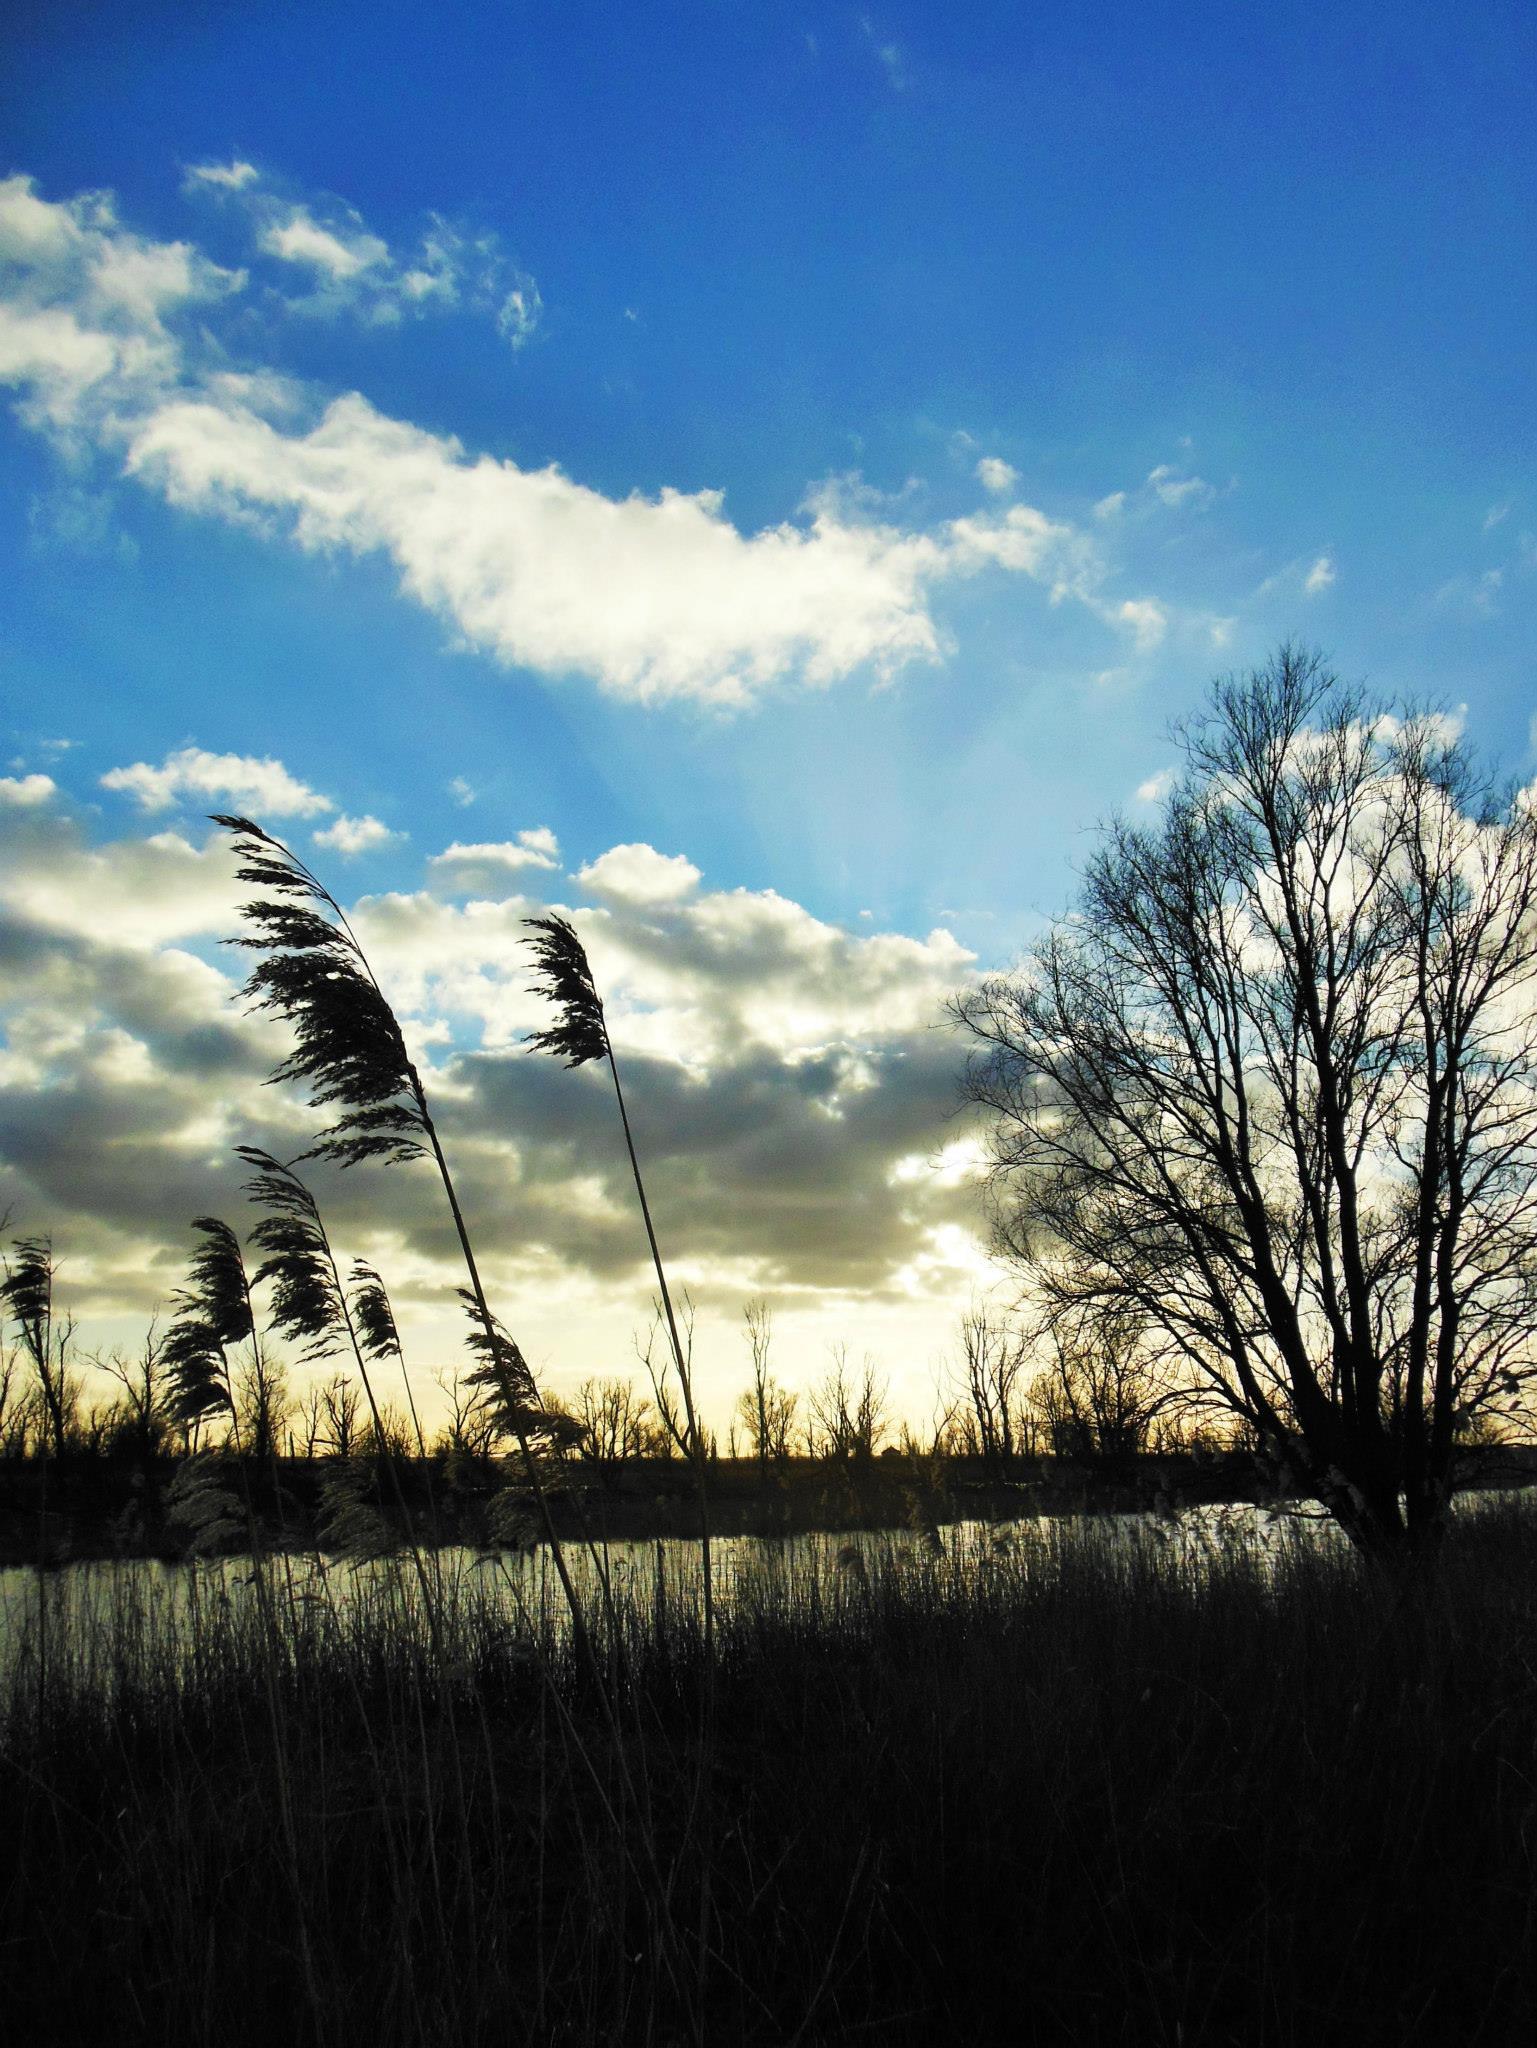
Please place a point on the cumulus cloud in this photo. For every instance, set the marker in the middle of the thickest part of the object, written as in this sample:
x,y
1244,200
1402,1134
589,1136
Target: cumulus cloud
x,y
507,557
639,874
352,836
248,781
24,791
1145,618
996,475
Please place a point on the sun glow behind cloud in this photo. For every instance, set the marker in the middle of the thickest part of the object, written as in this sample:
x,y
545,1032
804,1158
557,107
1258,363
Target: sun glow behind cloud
x,y
787,1078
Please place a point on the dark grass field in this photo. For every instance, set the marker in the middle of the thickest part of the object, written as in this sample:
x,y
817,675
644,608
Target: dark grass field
x,y
1086,1791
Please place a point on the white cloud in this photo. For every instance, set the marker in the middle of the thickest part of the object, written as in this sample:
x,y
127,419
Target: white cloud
x,y
26,790
887,55
996,475
1156,787
462,792
488,864
508,558
230,177
639,874
1495,514
1320,576
1478,596
353,270
301,239
519,314
1176,491
1109,507
1145,618
352,836
253,783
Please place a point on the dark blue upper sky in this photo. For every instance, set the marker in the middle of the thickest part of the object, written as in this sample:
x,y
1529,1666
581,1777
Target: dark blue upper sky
x,y
1267,273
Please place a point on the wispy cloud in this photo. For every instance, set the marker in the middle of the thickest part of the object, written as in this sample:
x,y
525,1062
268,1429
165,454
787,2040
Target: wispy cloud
x,y
1320,576
996,475
299,238
887,54
346,267
1170,487
230,177
489,864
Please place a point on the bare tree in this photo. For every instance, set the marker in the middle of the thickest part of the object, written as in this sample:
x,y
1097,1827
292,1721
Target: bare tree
x,y
144,1407
847,1415
670,1367
1099,1396
471,1429
766,1410
262,1402
993,1362
616,1426
341,1405
1270,1090
13,1404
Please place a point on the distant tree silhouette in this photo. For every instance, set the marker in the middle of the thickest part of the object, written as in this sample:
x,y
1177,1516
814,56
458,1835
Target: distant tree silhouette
x,y
994,1424
766,1409
1270,1090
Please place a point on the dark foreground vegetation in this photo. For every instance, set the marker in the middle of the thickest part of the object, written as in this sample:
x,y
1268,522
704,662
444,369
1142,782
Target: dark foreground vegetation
x,y
1078,1790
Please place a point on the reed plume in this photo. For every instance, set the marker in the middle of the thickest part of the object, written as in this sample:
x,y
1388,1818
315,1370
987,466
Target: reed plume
x,y
315,975
27,1291
579,1034
351,1054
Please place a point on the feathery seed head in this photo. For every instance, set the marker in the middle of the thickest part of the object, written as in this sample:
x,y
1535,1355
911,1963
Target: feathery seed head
x,y
565,978
194,1361
305,1300
503,1372
217,1292
27,1291
372,1314
349,1048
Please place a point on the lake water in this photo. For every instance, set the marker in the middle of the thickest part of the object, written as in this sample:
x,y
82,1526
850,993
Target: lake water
x,y
103,1611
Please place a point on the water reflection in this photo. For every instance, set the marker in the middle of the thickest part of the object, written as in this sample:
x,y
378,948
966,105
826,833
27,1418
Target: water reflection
x,y
145,1609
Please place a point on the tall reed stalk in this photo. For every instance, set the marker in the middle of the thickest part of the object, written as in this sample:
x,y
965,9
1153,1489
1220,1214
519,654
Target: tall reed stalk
x,y
350,1052
579,1035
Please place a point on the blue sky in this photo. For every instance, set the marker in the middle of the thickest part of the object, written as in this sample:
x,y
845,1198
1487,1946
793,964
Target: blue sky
x,y
820,448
